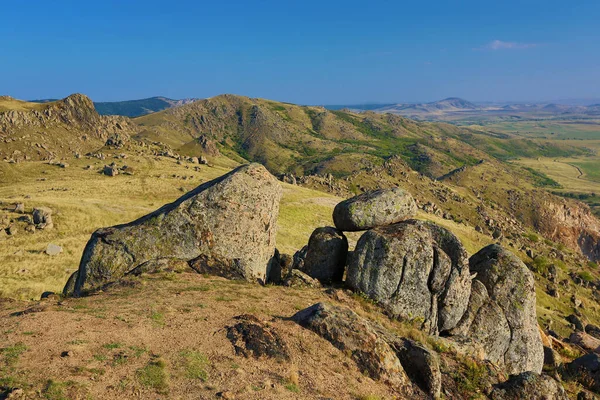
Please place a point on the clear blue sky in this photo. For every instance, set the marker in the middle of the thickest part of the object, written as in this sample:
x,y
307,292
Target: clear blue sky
x,y
310,52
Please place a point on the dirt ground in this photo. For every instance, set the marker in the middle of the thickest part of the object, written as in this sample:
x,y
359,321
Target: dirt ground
x,y
164,336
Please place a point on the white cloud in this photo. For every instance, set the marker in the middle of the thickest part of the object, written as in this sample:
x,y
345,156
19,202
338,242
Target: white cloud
x,y
501,45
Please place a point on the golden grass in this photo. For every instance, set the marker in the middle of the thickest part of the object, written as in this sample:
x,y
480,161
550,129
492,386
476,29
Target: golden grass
x,y
84,200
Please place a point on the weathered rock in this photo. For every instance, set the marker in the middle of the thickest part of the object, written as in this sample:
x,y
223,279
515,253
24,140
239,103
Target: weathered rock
x,y
53,249
160,265
19,208
297,278
593,330
251,337
299,258
552,358
505,323
326,255
42,218
421,365
576,321
372,209
275,272
585,341
225,226
416,271
530,386
586,369
356,337
110,170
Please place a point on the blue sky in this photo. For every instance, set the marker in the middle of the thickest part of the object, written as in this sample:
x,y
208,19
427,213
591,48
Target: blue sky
x,y
309,52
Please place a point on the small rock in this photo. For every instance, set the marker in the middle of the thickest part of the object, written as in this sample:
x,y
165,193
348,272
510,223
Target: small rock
x,y
297,278
53,249
19,208
68,353
110,170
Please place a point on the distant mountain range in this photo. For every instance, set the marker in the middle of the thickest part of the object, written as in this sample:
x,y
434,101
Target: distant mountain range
x,y
133,108
454,108
449,109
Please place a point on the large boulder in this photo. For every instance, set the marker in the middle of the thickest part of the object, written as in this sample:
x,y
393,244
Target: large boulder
x,y
357,338
375,208
530,386
501,315
326,255
416,270
225,226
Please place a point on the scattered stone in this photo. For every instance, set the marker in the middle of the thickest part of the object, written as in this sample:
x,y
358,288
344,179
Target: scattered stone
x,y
12,230
53,249
326,255
42,218
251,337
416,271
297,278
225,226
110,170
373,209
68,353
576,321
19,208
530,386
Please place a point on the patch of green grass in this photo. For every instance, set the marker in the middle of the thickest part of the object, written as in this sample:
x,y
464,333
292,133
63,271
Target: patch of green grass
x,y
137,350
11,354
55,390
29,333
99,357
532,237
472,379
195,364
368,397
157,318
224,298
292,387
586,276
154,375
540,264
111,346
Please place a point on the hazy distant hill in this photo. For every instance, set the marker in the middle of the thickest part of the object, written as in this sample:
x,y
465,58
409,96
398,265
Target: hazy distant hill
x,y
135,108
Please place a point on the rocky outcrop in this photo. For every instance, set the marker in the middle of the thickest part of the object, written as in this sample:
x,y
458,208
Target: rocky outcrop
x,y
416,271
356,337
372,209
326,255
225,226
58,128
570,223
501,315
530,386
381,353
